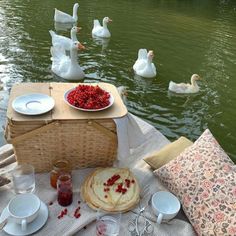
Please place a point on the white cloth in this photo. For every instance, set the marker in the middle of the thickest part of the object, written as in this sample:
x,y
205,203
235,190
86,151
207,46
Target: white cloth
x,y
129,135
69,225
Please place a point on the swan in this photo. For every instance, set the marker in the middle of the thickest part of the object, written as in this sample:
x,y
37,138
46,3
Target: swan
x,y
101,31
185,88
60,16
64,66
143,65
64,41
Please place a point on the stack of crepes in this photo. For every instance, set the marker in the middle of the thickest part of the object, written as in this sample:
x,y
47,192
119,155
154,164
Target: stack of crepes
x,y
111,189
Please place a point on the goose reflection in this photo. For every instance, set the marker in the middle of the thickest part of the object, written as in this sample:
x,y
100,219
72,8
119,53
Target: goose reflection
x,y
63,26
104,42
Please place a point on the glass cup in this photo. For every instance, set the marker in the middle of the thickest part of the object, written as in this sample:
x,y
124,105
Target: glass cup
x,y
64,189
60,166
23,179
108,225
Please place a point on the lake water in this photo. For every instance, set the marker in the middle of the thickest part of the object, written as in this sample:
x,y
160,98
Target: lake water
x,y
187,37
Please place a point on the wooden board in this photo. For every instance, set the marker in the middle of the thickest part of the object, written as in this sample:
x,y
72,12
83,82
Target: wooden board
x,y
62,111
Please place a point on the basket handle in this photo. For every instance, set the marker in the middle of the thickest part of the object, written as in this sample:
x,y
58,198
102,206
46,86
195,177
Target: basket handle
x,y
103,129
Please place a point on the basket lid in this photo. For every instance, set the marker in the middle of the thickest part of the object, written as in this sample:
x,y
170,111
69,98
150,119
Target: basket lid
x,y
61,110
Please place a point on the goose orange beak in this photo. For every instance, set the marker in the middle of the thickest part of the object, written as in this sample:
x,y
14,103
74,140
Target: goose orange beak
x,y
110,20
81,46
78,29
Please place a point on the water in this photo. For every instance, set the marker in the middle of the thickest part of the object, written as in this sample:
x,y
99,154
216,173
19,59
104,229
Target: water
x,y
24,183
187,37
107,226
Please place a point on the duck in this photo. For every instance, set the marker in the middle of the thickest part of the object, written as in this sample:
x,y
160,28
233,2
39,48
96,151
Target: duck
x,y
62,17
63,41
143,66
67,67
186,87
101,31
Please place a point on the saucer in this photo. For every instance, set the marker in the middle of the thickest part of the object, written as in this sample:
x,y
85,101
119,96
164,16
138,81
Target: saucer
x,y
15,229
33,104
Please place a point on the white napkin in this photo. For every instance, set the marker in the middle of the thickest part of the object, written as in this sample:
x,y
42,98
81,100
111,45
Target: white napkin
x,y
129,135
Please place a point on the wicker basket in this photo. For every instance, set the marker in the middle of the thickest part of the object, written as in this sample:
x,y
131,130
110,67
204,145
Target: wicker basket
x,y
83,142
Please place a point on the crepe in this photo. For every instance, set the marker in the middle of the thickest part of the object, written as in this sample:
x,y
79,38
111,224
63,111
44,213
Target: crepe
x,y
111,189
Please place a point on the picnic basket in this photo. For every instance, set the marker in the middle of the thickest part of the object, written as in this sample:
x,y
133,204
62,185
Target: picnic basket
x,y
85,139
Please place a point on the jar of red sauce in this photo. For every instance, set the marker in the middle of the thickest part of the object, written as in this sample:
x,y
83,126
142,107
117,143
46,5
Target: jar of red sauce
x,y
59,166
64,190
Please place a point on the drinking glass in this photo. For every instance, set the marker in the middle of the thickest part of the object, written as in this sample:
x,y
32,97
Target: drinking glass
x,y
108,225
64,189
23,179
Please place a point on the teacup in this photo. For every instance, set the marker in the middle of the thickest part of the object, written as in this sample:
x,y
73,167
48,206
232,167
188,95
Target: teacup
x,y
165,205
23,209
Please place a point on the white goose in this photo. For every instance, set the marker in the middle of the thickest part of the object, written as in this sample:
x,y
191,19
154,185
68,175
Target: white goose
x,y
122,90
101,31
143,65
58,40
185,88
64,66
60,16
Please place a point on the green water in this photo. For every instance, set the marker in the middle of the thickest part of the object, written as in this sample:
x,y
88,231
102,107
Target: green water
x,y
194,36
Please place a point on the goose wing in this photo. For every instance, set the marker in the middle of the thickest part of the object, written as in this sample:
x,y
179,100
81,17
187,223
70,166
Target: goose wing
x,y
59,40
141,61
60,62
96,23
142,54
60,16
178,88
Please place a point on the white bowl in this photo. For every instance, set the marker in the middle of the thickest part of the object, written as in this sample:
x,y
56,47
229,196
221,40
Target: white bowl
x,y
111,100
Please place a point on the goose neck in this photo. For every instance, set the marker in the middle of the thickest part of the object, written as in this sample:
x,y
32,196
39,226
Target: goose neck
x,y
75,8
194,82
73,56
104,24
73,36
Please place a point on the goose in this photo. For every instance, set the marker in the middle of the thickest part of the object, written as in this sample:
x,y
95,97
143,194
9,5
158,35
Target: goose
x,y
64,41
64,66
143,65
122,90
185,88
101,31
60,16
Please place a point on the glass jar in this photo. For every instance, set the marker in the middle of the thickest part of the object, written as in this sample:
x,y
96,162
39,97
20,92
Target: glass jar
x,y
60,166
64,190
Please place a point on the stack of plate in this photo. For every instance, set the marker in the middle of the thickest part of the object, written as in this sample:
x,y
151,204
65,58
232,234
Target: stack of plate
x,y
100,191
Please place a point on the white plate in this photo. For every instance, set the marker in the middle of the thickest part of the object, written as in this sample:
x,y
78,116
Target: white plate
x,y
33,104
111,99
15,229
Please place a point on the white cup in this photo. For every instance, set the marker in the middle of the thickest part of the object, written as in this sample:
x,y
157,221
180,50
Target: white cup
x,y
165,205
23,209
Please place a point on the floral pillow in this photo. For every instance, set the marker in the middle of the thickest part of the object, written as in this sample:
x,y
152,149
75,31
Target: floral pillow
x,y
204,179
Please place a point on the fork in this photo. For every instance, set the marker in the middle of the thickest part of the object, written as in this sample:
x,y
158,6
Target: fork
x,y
133,225
3,223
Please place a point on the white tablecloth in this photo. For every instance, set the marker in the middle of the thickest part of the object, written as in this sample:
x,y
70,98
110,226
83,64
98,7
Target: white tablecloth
x,y
68,225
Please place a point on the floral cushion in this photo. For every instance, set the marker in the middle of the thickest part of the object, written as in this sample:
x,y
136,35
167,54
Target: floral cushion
x,y
204,179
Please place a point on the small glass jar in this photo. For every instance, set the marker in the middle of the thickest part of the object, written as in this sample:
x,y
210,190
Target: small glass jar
x,y
64,190
60,166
